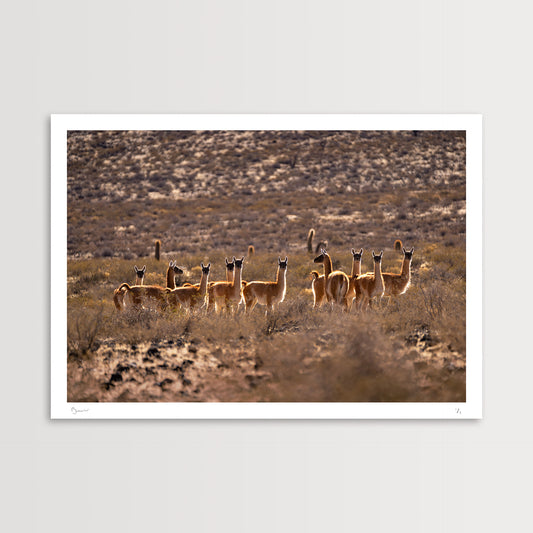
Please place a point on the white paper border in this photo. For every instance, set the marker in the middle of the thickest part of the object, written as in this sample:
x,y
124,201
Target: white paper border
x,y
470,409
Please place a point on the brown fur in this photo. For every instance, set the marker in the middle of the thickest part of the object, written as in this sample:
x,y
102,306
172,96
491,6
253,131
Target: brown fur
x,y
356,271
336,282
251,250
172,271
138,295
396,284
269,293
223,294
192,296
370,285
319,289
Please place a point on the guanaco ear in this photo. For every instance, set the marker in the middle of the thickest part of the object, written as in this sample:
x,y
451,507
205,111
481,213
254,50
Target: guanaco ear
x,y
227,262
279,260
144,269
286,260
361,251
242,260
412,249
136,269
353,251
234,259
202,265
403,249
209,265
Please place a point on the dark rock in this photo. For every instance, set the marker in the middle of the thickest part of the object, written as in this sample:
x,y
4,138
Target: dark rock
x,y
117,376
186,382
166,381
153,352
193,349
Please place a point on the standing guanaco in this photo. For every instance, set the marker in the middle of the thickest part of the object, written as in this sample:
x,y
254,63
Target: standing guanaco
x,y
336,282
138,295
356,271
191,296
139,274
269,293
227,293
172,271
370,285
396,284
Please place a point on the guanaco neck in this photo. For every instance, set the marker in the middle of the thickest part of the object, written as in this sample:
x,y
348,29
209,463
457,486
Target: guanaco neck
x,y
237,280
406,269
378,277
139,280
327,265
356,267
171,283
203,283
281,280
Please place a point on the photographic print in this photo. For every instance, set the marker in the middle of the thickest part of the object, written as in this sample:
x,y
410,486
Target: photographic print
x,y
266,266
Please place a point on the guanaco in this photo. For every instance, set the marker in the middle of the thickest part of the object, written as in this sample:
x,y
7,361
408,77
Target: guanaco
x,y
396,284
318,287
230,268
138,295
369,285
191,296
225,293
172,271
356,271
139,274
120,293
336,283
269,293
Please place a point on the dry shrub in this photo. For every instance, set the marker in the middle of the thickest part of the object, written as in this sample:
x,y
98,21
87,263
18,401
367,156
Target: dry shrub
x,y
134,326
348,360
83,331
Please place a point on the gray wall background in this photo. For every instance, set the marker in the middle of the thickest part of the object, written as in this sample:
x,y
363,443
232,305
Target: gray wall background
x,y
265,57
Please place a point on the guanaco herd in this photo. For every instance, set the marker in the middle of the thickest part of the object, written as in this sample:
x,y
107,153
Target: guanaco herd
x,y
333,286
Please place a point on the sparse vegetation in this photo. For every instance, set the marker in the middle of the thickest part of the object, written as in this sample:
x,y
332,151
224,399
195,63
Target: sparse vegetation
x,y
355,188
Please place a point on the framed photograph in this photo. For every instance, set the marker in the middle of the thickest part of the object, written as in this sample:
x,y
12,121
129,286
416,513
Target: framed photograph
x,y
266,266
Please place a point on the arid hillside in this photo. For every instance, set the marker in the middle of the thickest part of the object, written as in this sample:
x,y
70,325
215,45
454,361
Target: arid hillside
x,y
231,189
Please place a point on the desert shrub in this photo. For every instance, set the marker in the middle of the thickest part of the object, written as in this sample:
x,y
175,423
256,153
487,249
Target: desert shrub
x,y
84,329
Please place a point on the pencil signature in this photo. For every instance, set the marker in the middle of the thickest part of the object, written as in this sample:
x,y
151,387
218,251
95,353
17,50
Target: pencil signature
x,y
75,411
